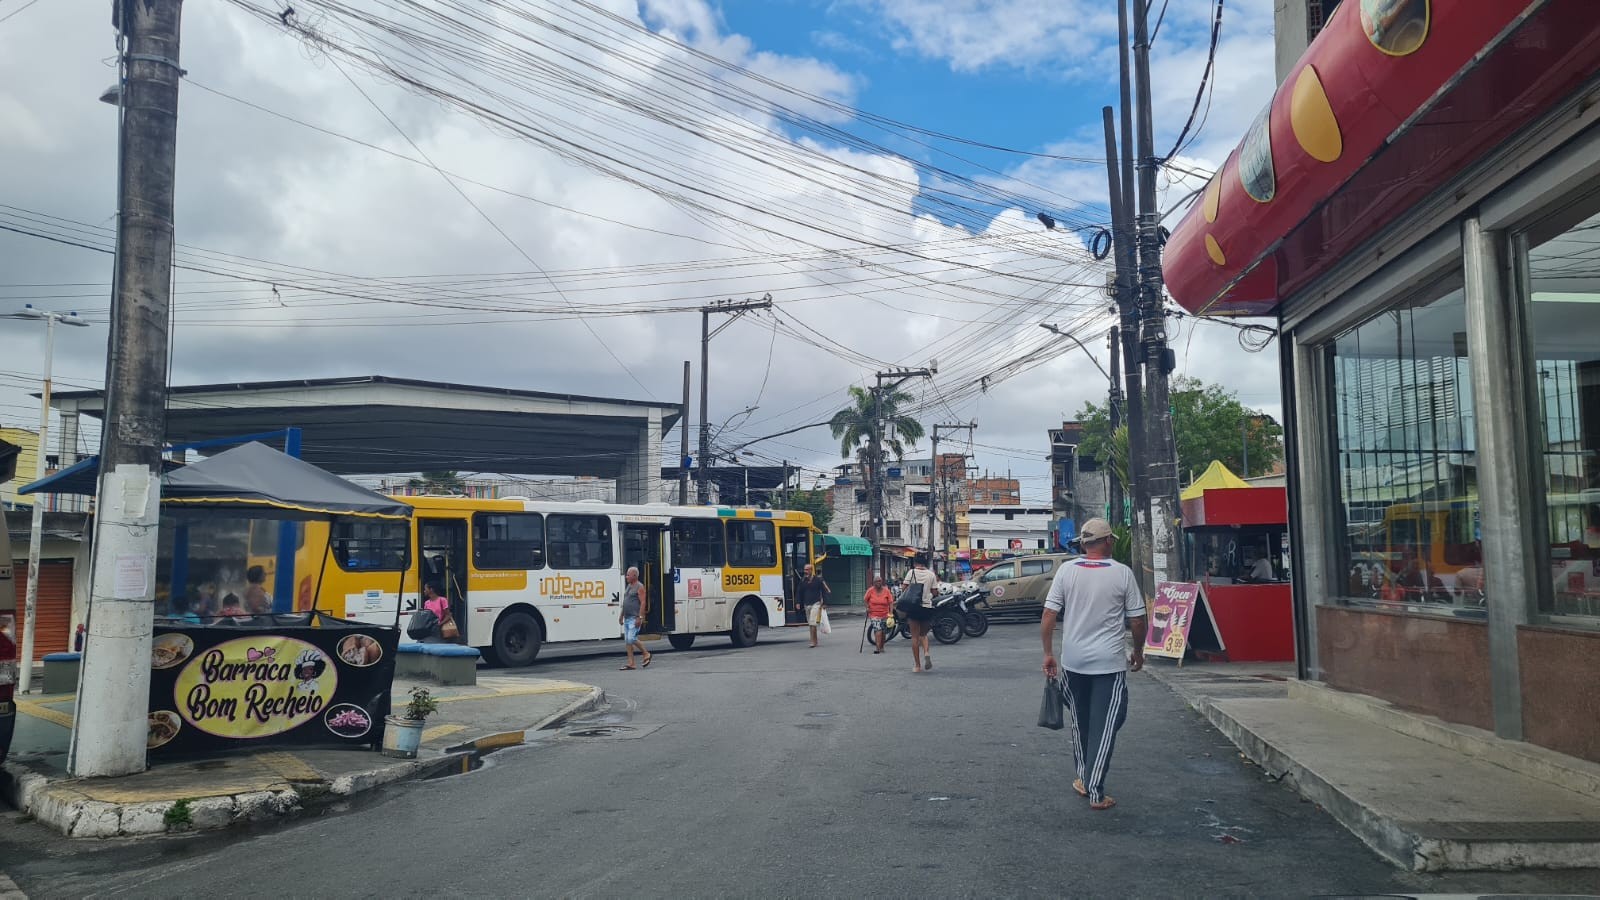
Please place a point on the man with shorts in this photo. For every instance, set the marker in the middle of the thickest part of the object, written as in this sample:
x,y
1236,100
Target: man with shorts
x,y
635,605
1097,601
814,596
879,600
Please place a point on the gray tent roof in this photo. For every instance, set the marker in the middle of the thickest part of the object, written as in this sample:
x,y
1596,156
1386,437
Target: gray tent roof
x,y
256,481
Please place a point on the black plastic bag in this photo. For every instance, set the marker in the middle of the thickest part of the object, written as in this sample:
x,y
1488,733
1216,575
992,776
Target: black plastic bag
x,y
1052,710
423,624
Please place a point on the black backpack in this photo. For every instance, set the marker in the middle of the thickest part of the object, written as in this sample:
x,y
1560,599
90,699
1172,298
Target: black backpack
x,y
423,624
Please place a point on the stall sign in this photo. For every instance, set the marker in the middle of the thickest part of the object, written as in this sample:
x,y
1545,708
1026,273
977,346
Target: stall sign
x,y
216,687
1171,615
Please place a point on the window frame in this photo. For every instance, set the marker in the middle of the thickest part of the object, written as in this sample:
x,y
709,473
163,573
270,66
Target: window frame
x,y
752,525
338,548
719,559
478,541
608,542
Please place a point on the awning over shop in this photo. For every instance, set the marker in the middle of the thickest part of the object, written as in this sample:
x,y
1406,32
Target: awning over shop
x,y
1219,498
845,545
1392,100
256,481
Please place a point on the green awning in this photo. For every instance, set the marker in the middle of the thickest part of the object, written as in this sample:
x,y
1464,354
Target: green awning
x,y
845,545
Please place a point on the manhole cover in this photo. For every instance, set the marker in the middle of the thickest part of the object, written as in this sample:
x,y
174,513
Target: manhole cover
x,y
608,732
600,731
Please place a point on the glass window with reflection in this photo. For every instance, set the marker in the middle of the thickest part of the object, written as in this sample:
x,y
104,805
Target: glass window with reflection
x,y
697,543
578,542
752,544
513,541
370,545
1406,457
1563,310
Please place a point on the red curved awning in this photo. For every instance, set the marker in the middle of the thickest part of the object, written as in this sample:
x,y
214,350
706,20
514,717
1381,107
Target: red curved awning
x,y
1392,99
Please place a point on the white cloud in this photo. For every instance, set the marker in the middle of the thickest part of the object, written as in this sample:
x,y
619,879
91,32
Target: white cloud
x,y
257,186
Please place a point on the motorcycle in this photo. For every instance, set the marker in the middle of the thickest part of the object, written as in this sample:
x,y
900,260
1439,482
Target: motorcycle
x,y
974,605
948,622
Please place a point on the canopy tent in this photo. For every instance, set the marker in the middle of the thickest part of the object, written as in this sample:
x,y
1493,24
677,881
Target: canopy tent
x,y
256,481
1215,477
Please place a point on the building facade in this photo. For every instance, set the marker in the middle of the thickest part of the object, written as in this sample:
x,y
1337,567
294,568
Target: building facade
x,y
1079,485
1418,206
1009,530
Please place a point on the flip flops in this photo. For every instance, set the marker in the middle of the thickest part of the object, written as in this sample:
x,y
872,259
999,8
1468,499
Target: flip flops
x,y
647,660
625,669
1105,803
1077,785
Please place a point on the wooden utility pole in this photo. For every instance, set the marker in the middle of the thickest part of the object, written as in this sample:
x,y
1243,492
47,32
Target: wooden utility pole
x,y
109,729
736,308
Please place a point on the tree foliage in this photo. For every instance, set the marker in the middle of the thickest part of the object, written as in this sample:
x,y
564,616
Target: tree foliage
x,y
855,425
1208,423
438,482
814,501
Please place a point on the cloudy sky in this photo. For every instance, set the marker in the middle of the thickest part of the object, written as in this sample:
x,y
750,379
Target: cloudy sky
x,y
540,193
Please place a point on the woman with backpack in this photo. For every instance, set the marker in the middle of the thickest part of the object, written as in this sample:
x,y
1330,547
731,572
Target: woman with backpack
x,y
916,605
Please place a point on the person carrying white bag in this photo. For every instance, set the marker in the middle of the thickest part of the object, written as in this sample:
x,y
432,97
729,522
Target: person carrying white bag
x,y
814,594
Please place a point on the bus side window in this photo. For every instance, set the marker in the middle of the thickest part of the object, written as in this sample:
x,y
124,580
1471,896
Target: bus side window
x,y
697,543
752,544
513,541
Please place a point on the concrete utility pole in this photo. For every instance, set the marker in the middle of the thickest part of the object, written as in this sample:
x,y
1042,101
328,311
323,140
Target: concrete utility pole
x,y
30,604
683,440
933,491
1161,462
735,308
875,452
109,733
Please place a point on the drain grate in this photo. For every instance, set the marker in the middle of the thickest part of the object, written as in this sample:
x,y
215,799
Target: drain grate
x,y
592,732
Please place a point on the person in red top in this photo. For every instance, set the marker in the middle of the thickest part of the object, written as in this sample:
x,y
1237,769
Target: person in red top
x,y
879,601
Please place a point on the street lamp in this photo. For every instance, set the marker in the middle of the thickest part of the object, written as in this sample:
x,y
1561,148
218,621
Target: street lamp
x,y
35,533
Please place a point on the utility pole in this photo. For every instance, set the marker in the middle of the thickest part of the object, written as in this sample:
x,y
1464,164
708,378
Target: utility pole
x,y
30,603
109,733
735,309
875,452
1113,483
784,492
1161,464
683,440
933,490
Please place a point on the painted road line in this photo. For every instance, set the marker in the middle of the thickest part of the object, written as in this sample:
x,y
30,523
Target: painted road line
x,y
30,708
289,767
439,731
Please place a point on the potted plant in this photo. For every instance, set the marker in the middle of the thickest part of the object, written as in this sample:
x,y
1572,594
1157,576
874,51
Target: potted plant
x,y
404,734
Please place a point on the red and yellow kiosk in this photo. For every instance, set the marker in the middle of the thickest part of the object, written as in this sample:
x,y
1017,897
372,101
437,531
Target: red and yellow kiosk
x,y
1236,546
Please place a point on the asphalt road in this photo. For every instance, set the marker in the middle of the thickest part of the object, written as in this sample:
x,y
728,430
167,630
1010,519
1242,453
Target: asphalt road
x,y
782,771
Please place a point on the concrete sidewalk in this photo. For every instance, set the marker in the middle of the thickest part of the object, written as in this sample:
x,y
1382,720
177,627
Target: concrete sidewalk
x,y
1426,794
243,786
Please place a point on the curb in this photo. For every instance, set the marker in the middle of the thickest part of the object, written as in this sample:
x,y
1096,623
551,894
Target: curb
x,y
593,699
60,808
1416,846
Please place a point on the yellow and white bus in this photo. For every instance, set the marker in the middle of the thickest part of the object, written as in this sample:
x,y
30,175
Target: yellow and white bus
x,y
522,573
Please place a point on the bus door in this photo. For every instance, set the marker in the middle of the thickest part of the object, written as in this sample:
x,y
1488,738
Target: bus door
x,y
796,543
645,547
442,562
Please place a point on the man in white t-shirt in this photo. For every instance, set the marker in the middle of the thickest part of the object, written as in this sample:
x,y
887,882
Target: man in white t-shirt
x,y
1097,600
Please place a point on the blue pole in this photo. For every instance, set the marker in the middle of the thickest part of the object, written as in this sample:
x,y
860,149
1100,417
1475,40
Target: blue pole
x,y
179,586
283,584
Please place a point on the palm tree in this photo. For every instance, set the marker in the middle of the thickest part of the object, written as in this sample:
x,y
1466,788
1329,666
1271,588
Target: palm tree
x,y
856,424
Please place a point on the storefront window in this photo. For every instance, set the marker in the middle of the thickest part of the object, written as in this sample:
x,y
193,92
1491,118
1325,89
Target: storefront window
x,y
1564,324
1406,458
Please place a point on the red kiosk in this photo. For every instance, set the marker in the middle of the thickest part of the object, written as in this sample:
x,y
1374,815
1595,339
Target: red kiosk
x,y
1236,544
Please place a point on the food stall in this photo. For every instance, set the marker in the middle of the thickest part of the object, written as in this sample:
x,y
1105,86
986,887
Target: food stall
x,y
1236,546
247,681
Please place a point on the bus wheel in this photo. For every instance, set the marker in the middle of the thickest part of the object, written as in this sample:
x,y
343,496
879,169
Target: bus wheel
x,y
746,627
680,641
517,638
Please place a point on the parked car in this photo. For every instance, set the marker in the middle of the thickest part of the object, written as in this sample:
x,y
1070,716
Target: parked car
x,y
1016,588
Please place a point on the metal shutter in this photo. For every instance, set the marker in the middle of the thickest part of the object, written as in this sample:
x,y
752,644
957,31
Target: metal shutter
x,y
52,633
